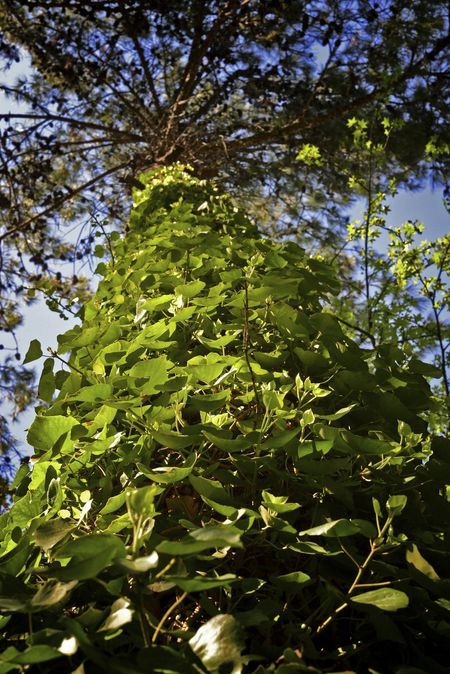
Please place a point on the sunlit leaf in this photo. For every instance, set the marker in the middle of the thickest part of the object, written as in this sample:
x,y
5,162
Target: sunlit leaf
x,y
218,642
385,598
120,614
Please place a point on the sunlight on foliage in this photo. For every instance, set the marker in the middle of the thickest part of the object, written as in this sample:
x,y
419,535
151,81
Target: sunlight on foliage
x,y
223,479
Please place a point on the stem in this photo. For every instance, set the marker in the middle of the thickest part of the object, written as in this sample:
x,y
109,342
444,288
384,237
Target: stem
x,y
72,367
442,349
166,568
374,547
111,252
432,298
171,608
358,329
366,243
246,342
144,626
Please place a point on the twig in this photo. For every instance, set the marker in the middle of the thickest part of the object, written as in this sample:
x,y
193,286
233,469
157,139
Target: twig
x,y
245,344
62,200
374,547
72,367
171,608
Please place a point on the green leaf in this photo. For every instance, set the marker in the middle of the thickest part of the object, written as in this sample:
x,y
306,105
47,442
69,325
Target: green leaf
x,y
36,654
201,583
296,580
207,368
18,604
395,504
45,431
414,558
210,401
278,504
91,394
191,289
172,439
47,382
280,439
34,351
219,342
443,603
52,532
363,445
202,539
50,594
154,371
386,599
169,474
342,527
164,660
141,501
114,503
231,445
105,415
219,642
337,415
120,614
376,507
77,337
211,489
312,360
89,555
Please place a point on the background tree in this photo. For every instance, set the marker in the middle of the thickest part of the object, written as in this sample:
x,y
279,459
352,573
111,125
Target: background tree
x,y
233,88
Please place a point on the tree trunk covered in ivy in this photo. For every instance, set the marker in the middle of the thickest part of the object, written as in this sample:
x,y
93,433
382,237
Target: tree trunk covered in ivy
x,y
223,480
233,87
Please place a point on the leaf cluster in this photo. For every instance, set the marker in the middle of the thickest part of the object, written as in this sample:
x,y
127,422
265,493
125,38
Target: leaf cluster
x,y
233,88
223,480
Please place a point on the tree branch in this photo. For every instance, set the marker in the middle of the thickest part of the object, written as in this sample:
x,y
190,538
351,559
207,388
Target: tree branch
x,y
59,202
70,120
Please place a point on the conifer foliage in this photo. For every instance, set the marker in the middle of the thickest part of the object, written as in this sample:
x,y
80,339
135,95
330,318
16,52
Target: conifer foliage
x,y
223,481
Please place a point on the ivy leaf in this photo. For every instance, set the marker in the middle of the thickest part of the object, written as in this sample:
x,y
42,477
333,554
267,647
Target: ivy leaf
x,y
218,642
120,614
386,599
154,371
34,351
292,582
169,474
52,532
395,504
207,368
45,431
89,555
342,527
416,560
47,382
202,539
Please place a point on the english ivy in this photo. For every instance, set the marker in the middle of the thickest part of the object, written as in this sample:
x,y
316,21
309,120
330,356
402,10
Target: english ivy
x,y
224,481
